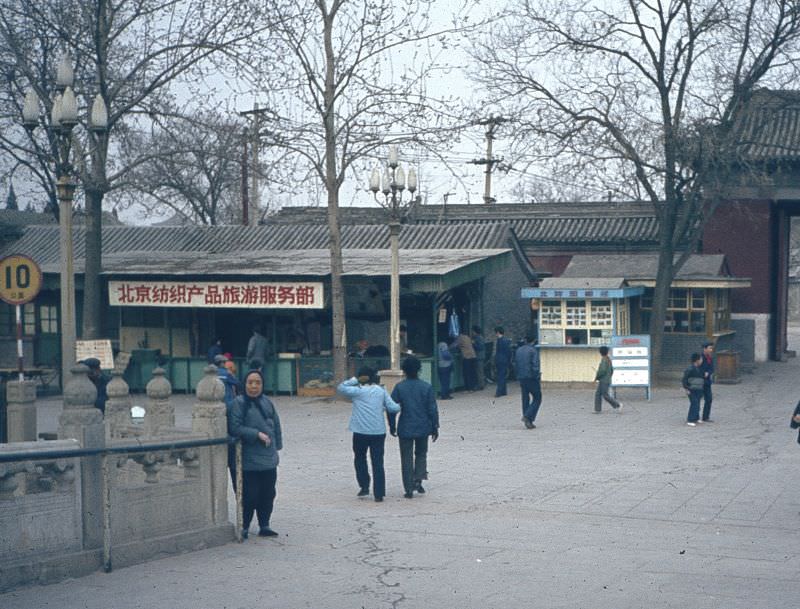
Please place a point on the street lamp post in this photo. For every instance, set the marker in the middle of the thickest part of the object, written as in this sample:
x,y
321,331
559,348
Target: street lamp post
x,y
63,118
392,187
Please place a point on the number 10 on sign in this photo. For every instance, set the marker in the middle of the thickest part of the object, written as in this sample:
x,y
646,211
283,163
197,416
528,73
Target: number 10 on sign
x,y
20,282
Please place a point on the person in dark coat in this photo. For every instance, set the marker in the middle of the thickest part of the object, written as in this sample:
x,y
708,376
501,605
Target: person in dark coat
x,y
419,418
693,382
526,361
255,421
100,381
214,350
502,359
479,346
707,368
795,422
232,389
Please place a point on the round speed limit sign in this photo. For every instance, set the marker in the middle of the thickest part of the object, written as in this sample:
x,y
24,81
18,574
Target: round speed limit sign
x,y
20,279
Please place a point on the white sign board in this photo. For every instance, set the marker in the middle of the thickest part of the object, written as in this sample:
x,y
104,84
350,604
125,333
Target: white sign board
x,y
217,294
101,349
630,356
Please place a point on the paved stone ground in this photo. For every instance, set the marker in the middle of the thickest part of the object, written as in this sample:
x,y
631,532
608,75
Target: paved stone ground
x,y
611,511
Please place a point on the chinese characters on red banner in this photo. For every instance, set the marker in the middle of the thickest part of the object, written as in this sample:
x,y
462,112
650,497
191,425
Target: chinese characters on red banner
x,y
216,294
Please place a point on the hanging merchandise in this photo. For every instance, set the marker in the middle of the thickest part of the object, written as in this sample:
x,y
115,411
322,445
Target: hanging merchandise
x,y
455,328
443,315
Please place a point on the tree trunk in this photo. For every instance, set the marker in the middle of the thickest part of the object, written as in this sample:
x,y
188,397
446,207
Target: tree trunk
x,y
92,287
338,313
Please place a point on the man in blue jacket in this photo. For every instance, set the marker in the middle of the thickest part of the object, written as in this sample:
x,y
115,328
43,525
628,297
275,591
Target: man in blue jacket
x,y
707,368
502,358
526,360
419,418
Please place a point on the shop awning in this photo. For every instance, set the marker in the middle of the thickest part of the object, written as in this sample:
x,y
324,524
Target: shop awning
x,y
429,270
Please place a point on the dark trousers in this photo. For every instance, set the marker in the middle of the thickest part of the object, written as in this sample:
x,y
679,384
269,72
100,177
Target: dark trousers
x,y
258,495
707,397
480,373
413,461
375,444
694,405
470,369
531,388
602,394
502,373
444,381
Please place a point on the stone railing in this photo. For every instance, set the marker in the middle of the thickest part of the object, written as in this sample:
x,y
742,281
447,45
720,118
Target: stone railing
x,y
121,492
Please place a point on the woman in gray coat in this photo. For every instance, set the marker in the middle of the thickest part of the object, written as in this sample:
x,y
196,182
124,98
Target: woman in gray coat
x,y
255,420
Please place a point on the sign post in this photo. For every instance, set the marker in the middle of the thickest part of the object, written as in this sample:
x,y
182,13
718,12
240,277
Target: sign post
x,y
630,356
20,282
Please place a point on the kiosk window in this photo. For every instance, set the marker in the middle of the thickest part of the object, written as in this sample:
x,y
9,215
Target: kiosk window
x,y
550,315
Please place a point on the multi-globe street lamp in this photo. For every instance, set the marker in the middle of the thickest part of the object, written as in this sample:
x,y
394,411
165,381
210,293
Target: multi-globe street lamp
x,y
63,118
392,186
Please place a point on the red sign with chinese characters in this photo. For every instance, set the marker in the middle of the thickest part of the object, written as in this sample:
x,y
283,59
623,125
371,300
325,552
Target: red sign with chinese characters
x,y
220,294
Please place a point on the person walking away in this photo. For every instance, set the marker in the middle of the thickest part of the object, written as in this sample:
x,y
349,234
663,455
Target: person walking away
x,y
255,421
502,359
526,360
707,367
257,347
693,383
479,345
469,362
444,367
99,380
368,424
605,370
419,418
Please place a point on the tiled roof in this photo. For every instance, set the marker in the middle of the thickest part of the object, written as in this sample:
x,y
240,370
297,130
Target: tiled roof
x,y
769,129
303,263
538,224
644,266
146,243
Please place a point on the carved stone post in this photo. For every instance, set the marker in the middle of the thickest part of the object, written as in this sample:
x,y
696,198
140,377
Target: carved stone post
x,y
160,415
118,405
82,421
209,418
21,396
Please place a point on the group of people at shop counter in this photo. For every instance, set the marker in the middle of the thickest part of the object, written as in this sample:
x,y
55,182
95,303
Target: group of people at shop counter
x,y
411,413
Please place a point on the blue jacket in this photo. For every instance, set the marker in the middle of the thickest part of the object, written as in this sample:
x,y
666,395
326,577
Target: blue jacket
x,y
369,404
502,354
231,385
248,417
419,415
526,360
445,359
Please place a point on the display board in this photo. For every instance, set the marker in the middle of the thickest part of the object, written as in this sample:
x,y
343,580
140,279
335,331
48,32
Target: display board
x,y
101,349
630,356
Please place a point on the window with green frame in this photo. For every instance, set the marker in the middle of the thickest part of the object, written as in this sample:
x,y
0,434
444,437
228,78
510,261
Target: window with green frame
x,y
686,310
8,319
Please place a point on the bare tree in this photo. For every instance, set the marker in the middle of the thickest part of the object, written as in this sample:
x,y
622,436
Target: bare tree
x,y
352,79
644,93
129,52
193,168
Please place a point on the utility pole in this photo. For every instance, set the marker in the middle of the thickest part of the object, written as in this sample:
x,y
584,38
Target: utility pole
x,y
491,123
255,114
245,197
